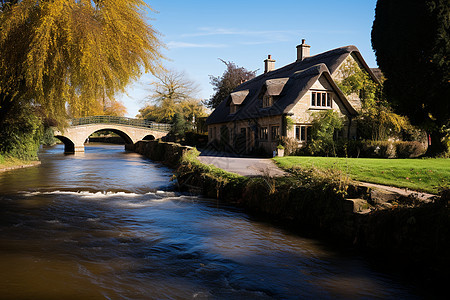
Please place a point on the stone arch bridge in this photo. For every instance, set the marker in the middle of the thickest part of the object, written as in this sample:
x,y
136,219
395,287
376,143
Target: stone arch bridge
x,y
130,130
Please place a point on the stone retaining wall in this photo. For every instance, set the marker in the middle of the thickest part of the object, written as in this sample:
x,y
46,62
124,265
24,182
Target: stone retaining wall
x,y
168,153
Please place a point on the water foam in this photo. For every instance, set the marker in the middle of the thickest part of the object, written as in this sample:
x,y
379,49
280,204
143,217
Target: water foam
x,y
85,194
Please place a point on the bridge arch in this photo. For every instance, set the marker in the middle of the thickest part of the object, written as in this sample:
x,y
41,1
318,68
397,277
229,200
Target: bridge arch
x,y
69,146
131,130
126,138
149,137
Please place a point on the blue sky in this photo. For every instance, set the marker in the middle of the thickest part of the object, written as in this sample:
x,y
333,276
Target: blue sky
x,y
198,33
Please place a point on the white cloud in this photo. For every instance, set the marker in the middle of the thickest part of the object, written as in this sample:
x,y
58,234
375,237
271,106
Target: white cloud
x,y
271,34
174,44
208,31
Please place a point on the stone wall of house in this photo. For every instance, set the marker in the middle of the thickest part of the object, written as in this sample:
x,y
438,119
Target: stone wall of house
x,y
322,84
268,122
302,113
251,130
342,72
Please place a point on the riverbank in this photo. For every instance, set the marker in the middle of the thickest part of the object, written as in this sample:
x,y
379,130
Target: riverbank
x,y
327,203
7,163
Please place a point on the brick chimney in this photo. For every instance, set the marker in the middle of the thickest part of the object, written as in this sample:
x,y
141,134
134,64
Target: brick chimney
x,y
302,51
269,64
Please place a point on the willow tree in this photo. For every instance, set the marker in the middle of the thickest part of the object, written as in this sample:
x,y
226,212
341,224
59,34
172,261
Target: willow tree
x,y
59,53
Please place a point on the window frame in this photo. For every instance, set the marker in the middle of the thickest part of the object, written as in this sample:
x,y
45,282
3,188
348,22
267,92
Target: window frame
x,y
321,99
275,135
234,108
302,132
264,133
267,101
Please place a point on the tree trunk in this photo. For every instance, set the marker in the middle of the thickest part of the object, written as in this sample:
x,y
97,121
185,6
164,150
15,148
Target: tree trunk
x,y
6,104
436,146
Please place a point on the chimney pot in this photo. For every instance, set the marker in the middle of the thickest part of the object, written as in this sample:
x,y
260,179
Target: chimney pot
x,y
303,41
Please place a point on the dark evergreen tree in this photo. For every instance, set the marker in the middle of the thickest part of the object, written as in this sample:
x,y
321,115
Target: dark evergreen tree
x,y
230,79
179,127
412,44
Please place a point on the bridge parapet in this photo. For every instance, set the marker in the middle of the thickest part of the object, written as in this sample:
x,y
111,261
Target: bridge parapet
x,y
122,121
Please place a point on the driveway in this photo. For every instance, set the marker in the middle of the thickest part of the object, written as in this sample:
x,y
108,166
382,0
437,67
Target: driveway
x,y
245,166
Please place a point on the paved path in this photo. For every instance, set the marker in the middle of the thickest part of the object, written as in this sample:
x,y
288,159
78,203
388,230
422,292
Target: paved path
x,y
401,191
245,166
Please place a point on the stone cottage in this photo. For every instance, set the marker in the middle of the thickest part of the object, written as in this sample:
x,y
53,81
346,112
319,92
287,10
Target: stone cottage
x,y
256,114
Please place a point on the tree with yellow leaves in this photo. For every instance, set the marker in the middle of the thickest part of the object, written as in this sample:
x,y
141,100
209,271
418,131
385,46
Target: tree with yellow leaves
x,y
59,53
67,54
106,107
172,93
376,120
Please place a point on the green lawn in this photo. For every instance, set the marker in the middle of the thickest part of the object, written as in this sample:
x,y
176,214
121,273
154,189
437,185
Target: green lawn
x,y
429,175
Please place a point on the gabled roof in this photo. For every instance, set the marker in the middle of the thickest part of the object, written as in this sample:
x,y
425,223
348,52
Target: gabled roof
x,y
288,83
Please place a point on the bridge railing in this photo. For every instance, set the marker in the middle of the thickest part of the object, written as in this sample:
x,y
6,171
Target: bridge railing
x,y
122,121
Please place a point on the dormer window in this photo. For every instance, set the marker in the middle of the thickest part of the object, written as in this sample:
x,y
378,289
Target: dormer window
x,y
267,101
236,99
321,99
233,108
272,91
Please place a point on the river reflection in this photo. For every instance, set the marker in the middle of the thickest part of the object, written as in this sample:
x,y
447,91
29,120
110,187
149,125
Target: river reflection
x,y
108,225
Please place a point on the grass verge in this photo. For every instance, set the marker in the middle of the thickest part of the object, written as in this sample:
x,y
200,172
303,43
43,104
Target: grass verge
x,y
7,162
428,175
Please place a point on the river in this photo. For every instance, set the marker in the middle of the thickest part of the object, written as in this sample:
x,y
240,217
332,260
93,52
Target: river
x,y
108,224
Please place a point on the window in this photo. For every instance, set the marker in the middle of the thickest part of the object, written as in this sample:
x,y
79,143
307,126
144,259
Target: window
x,y
267,101
233,108
274,133
263,133
321,99
302,132
308,132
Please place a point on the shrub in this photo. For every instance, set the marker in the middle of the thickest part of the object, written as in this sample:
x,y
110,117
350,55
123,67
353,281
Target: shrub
x,y
347,148
409,149
378,149
48,137
324,127
290,145
21,132
195,139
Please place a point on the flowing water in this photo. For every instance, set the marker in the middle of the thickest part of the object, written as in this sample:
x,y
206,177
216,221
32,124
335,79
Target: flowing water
x,y
107,224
